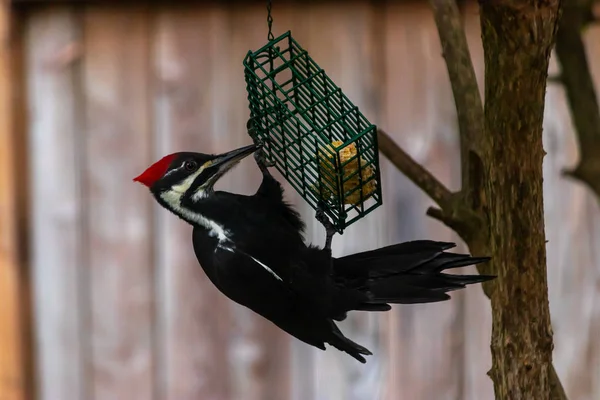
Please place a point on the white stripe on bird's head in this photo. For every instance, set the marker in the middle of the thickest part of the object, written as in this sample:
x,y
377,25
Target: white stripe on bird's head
x,y
173,200
182,187
173,196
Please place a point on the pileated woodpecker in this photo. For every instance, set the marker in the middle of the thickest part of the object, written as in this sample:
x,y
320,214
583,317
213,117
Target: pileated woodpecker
x,y
253,251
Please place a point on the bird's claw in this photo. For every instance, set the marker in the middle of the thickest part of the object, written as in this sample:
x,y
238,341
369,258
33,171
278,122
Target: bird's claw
x,y
261,158
259,154
251,127
322,217
329,227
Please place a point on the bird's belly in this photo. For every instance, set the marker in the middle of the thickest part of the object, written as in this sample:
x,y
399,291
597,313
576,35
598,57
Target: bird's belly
x,y
247,282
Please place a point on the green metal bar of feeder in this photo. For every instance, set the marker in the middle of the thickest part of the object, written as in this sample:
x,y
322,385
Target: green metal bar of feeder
x,y
350,191
320,118
294,81
354,189
314,104
320,182
302,84
350,121
344,102
324,148
286,96
285,65
364,214
299,162
357,137
339,186
340,116
280,55
274,83
313,92
308,172
338,121
270,43
360,168
318,129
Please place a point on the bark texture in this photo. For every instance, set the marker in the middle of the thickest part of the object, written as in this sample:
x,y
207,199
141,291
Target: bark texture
x,y
517,40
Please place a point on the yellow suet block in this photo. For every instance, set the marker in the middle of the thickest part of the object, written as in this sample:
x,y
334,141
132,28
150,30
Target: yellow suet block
x,y
330,171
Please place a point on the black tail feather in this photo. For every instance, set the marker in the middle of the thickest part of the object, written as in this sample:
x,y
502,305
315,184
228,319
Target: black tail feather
x,y
406,273
406,248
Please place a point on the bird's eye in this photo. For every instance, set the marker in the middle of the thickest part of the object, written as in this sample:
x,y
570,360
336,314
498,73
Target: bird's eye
x,y
190,165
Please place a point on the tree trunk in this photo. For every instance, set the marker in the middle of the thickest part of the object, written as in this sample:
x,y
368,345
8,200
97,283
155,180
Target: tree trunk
x,y
517,40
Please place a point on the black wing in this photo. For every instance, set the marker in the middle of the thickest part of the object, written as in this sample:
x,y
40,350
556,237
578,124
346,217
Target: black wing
x,y
272,191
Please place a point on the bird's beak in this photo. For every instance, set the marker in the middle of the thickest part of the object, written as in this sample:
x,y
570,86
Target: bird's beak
x,y
225,161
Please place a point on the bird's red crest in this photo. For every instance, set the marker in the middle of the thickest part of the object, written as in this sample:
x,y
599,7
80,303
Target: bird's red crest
x,y
155,171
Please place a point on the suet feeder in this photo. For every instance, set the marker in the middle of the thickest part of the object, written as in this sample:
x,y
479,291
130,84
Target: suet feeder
x,y
315,136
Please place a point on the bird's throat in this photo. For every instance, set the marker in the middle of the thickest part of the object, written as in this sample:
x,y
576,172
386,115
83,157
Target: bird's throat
x,y
171,199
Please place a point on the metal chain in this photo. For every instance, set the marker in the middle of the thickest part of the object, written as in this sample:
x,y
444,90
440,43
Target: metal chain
x,y
269,21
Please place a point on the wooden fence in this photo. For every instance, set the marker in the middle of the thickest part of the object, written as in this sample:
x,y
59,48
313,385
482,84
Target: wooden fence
x,y
123,311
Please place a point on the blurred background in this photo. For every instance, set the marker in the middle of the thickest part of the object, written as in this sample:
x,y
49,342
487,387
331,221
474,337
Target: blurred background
x,y
121,310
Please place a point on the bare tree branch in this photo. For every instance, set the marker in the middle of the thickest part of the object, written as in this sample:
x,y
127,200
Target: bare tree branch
x,y
462,79
413,170
452,212
452,222
460,211
581,95
557,391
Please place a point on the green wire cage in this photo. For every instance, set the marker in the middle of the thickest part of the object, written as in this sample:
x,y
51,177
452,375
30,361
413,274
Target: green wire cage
x,y
315,136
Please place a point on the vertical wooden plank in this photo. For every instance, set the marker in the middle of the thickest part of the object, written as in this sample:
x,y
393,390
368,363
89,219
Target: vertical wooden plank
x,y
14,310
268,369
341,41
289,363
593,228
202,105
194,318
578,286
316,34
426,348
118,140
568,251
56,214
572,226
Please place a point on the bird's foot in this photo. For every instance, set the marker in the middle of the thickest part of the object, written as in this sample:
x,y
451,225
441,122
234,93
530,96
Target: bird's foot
x,y
251,128
259,155
261,159
329,227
